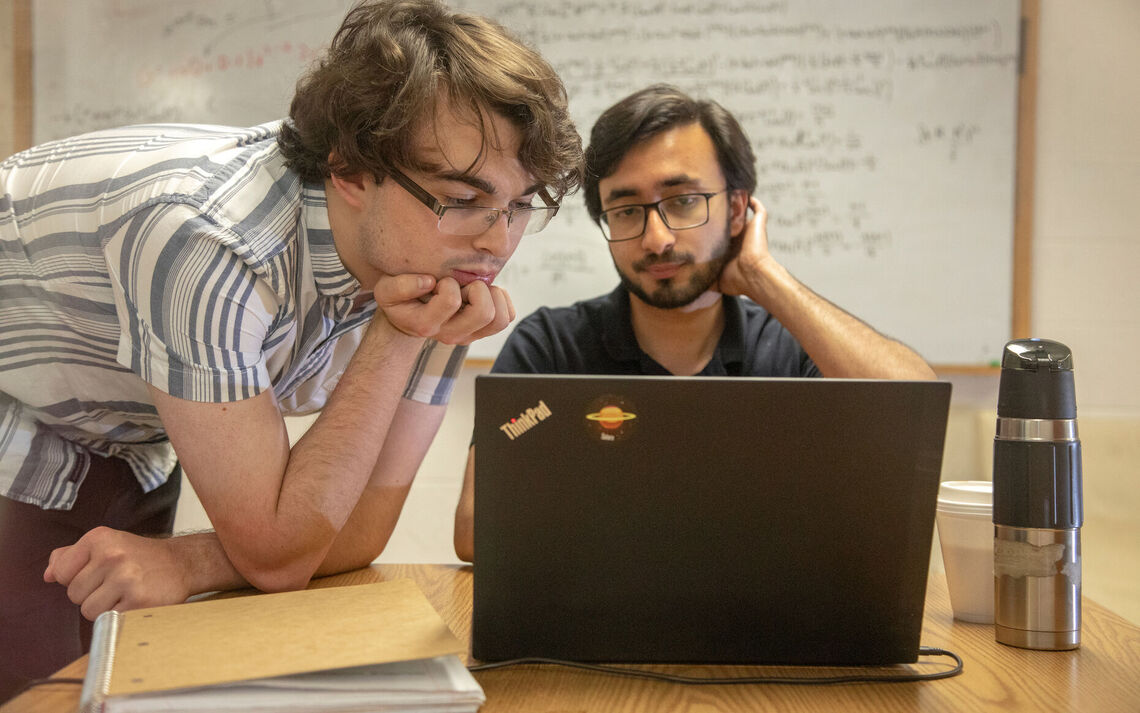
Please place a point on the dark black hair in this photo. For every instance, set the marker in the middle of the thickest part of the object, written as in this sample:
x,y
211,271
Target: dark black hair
x,y
655,109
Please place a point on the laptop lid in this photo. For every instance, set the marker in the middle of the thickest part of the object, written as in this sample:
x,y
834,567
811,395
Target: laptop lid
x,y
703,520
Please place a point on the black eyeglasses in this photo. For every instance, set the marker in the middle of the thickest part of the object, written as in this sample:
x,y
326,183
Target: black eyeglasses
x,y
476,220
626,222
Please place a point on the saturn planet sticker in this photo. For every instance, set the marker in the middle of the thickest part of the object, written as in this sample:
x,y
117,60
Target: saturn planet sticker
x,y
610,418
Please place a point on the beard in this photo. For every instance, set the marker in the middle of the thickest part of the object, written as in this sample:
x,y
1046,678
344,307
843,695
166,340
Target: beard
x,y
672,293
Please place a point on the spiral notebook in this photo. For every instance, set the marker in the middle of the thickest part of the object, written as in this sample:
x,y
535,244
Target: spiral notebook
x,y
358,648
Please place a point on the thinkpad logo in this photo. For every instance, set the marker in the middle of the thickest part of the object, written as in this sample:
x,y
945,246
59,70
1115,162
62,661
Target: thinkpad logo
x,y
526,420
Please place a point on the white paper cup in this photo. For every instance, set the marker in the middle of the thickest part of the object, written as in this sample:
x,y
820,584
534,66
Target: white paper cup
x,y
966,533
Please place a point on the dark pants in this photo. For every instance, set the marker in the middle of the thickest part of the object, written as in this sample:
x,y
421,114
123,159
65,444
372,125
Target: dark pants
x,y
41,631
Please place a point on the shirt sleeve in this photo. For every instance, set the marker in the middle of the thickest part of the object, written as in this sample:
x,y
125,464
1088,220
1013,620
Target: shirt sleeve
x,y
808,367
193,315
434,373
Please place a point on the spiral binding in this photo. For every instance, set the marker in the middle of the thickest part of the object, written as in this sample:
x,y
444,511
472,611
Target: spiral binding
x,y
98,680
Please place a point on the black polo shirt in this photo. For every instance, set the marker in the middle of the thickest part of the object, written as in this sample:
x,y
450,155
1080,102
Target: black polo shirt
x,y
596,337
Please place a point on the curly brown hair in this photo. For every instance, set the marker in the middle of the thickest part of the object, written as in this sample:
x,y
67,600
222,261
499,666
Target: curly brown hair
x,y
390,63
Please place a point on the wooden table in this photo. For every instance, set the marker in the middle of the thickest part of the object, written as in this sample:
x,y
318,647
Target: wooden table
x,y
1103,676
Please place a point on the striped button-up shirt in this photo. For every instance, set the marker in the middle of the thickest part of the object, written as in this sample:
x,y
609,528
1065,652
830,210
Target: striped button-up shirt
x,y
186,257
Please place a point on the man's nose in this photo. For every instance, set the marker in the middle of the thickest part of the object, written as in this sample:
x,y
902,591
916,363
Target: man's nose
x,y
497,239
657,237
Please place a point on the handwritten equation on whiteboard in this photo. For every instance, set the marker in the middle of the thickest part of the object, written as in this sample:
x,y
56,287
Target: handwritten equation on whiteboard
x,y
884,131
837,101
884,135
212,61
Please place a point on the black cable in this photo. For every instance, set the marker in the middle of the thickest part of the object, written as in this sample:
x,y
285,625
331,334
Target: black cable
x,y
45,681
672,678
783,680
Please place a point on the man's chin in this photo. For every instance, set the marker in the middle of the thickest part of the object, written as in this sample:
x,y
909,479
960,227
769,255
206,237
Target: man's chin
x,y
706,299
668,297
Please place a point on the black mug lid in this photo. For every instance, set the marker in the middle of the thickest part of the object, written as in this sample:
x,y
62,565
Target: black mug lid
x,y
1036,380
1035,354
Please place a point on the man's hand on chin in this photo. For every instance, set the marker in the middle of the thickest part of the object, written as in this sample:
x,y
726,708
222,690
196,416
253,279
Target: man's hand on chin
x,y
421,306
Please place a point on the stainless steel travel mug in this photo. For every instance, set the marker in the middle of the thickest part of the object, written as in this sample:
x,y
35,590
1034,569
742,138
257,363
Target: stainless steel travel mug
x,y
1037,499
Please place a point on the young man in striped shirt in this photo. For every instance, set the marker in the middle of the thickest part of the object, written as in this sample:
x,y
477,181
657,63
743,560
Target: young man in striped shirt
x,y
169,293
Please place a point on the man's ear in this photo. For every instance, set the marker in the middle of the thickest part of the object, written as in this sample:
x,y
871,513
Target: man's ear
x,y
350,187
738,205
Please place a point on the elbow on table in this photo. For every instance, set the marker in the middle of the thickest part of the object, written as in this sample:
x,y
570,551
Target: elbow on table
x,y
464,550
283,579
274,566
463,536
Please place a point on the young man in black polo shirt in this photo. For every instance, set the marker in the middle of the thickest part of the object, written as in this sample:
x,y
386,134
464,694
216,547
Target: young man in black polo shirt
x,y
669,180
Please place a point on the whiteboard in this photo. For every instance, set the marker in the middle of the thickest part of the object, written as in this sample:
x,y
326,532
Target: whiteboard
x,y
885,131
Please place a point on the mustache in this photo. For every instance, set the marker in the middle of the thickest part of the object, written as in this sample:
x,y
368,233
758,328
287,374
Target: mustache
x,y
483,262
668,256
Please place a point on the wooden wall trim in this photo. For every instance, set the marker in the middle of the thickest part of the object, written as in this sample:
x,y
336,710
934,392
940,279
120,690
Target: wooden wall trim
x,y
22,74
1026,166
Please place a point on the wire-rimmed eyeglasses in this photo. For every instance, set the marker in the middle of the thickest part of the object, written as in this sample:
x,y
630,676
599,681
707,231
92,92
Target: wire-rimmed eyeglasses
x,y
476,220
627,222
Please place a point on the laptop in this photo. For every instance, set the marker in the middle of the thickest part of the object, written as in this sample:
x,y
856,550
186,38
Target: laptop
x,y
705,519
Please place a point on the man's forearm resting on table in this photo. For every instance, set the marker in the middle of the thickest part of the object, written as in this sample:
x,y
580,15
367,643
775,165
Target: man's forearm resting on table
x,y
351,430
279,520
